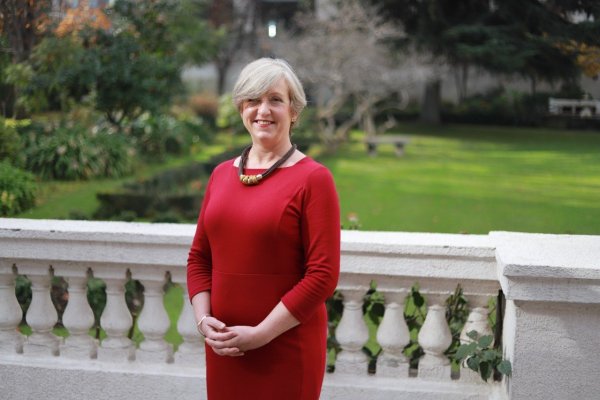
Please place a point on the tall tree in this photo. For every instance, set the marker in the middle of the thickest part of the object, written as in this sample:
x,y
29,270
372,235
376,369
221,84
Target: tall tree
x,y
353,69
22,25
523,37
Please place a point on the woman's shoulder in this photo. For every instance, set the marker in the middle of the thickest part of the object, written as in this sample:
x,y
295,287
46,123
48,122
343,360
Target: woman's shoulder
x,y
224,166
314,172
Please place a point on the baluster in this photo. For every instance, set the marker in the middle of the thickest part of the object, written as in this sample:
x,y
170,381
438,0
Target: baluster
x,y
41,316
352,334
435,337
116,321
191,351
78,317
393,336
154,323
478,322
11,340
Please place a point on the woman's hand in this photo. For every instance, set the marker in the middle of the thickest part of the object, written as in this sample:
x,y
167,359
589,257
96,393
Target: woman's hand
x,y
216,333
244,338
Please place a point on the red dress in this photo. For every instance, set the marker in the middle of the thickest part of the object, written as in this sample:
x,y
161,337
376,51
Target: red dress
x,y
258,245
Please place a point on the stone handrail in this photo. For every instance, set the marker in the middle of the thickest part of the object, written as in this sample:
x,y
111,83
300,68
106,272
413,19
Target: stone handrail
x,y
152,253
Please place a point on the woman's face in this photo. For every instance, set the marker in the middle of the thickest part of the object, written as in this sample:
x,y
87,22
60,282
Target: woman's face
x,y
269,116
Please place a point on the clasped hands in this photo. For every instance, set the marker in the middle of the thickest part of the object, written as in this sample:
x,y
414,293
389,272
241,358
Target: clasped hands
x,y
232,341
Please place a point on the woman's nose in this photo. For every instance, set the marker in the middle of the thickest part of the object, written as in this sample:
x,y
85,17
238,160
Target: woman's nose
x,y
263,107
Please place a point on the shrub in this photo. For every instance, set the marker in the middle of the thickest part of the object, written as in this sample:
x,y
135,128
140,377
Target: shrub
x,y
17,190
206,107
501,107
228,117
10,144
74,152
155,136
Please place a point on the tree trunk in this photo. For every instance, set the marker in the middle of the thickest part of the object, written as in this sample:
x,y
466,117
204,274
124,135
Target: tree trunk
x,y
430,107
533,84
461,77
222,69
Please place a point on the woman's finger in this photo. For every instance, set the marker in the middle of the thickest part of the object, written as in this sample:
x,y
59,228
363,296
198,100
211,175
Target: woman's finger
x,y
222,336
219,344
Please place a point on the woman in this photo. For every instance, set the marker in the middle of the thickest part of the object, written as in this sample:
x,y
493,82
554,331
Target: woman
x,y
266,252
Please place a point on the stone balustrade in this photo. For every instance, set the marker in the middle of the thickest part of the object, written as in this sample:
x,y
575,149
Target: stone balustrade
x,y
79,366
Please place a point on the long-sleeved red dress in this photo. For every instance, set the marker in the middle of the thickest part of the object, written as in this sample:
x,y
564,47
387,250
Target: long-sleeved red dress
x,y
254,247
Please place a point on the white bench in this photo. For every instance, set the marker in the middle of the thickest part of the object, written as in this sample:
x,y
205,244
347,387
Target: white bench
x,y
584,108
399,141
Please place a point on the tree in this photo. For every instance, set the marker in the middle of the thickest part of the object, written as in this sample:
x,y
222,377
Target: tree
x,y
117,67
513,37
234,26
353,69
22,25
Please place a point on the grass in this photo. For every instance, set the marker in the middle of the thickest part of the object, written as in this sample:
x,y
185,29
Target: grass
x,y
473,179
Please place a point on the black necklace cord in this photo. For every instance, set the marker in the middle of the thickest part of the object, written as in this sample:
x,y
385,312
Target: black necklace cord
x,y
255,179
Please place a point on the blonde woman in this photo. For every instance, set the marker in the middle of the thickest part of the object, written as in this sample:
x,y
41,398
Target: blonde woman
x,y
266,252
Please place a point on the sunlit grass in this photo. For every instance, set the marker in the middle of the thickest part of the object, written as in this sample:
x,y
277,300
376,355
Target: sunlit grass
x,y
475,180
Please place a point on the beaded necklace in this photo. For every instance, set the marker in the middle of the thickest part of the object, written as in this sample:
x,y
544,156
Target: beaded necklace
x,y
255,179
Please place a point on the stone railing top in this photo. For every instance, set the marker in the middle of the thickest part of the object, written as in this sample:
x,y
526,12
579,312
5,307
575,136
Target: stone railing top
x,y
110,231
543,267
417,243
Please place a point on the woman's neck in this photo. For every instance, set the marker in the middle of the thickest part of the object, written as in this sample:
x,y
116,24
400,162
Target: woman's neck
x,y
263,156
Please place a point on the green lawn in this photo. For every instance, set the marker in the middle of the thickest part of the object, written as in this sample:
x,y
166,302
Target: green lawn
x,y
474,179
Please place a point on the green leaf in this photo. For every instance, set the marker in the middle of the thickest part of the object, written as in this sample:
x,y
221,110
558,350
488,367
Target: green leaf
x,y
505,368
465,350
485,370
473,334
490,355
418,299
473,363
485,341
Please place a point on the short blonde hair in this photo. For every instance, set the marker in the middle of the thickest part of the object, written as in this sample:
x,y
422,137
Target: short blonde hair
x,y
257,78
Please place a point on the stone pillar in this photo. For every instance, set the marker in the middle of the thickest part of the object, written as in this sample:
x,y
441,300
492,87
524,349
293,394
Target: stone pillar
x,y
552,317
116,321
191,351
11,341
435,337
393,336
41,316
154,323
352,334
78,319
477,321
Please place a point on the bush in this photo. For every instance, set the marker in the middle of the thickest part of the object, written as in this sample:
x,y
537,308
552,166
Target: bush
x,y
205,107
155,136
228,117
11,146
304,133
17,190
73,152
501,107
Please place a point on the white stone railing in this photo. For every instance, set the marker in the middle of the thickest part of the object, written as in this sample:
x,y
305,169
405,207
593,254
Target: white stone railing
x,y
80,366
